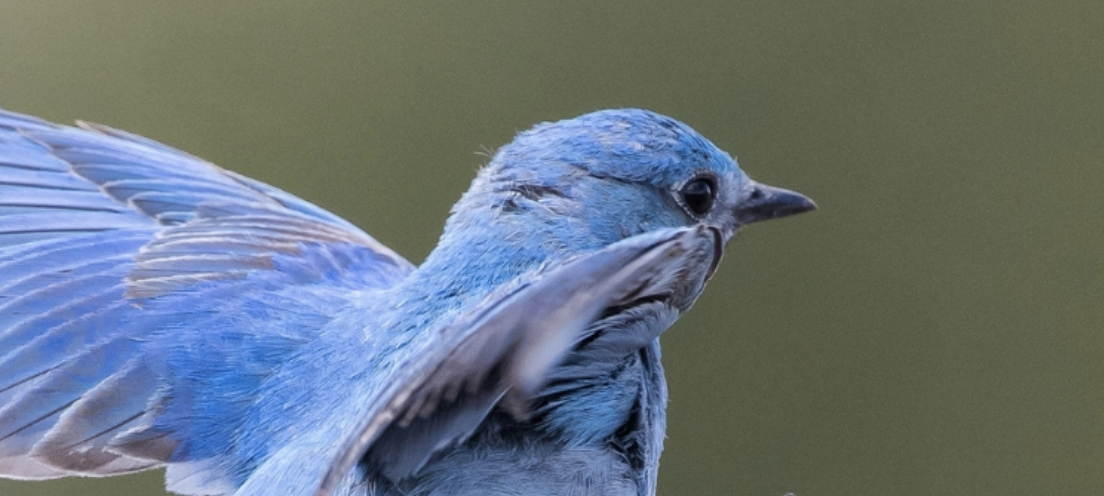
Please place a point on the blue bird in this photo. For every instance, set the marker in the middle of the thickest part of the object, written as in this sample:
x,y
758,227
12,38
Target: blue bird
x,y
159,311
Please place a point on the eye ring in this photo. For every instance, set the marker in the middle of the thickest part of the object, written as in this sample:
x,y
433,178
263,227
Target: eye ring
x,y
698,195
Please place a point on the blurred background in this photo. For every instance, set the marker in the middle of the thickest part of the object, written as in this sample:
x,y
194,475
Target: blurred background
x,y
936,328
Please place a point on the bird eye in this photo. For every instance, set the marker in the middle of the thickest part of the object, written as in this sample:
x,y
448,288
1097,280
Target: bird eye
x,y
698,195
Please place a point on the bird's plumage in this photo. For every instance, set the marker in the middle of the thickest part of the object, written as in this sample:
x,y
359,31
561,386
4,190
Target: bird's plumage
x,y
157,310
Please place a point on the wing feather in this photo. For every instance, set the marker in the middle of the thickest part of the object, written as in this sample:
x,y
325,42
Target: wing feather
x,y
79,442
97,226
502,351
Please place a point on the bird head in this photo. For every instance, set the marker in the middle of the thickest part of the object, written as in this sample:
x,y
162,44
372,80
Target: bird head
x,y
612,174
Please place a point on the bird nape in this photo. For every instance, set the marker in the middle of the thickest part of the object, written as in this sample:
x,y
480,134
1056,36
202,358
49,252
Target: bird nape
x,y
159,311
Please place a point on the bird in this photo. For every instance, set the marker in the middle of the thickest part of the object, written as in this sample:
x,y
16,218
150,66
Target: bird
x,y
158,311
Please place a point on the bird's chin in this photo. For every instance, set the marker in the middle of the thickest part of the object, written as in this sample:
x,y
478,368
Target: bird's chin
x,y
728,232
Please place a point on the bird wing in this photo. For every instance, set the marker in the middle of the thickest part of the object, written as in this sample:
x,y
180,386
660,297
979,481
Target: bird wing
x,y
110,243
499,352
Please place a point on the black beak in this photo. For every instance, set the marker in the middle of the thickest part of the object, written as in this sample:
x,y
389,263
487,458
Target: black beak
x,y
767,202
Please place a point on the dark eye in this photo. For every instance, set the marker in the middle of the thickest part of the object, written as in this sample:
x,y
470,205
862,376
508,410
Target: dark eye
x,y
698,195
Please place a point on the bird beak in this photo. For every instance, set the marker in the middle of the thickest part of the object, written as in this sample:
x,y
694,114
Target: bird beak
x,y
767,202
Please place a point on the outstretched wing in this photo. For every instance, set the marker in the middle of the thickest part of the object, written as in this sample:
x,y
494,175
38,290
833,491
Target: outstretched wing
x,y
110,242
499,352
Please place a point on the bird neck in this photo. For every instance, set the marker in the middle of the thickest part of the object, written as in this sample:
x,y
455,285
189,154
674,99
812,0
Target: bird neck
x,y
482,247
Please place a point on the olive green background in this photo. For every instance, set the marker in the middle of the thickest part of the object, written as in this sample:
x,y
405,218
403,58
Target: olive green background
x,y
934,329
